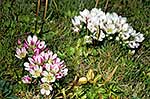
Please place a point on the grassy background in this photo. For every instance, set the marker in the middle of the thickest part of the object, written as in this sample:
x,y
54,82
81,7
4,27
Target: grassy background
x,y
132,77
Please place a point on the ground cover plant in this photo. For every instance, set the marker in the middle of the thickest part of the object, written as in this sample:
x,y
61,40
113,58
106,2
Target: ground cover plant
x,y
95,71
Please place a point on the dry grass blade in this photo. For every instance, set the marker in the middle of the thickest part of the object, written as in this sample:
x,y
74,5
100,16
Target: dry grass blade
x,y
105,8
38,7
111,75
96,3
46,4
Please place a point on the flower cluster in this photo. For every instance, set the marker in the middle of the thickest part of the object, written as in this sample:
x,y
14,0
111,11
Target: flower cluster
x,y
106,26
42,65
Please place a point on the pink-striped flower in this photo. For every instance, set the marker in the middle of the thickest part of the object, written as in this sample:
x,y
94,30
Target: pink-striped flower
x,y
21,53
31,41
41,45
29,66
38,59
49,57
26,79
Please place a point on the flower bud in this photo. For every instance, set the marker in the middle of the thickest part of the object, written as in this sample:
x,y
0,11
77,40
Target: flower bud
x,y
19,42
90,75
82,80
26,79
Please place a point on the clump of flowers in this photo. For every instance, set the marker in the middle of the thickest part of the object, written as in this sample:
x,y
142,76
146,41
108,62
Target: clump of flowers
x,y
42,65
101,26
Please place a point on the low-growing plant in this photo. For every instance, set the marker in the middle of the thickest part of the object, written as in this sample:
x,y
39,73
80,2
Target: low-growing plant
x,y
42,65
97,26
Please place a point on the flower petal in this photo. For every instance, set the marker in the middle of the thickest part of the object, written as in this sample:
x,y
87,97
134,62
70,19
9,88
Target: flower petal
x,y
42,91
47,92
35,39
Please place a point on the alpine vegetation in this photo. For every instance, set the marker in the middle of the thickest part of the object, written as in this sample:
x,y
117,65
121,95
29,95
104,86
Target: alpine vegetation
x,y
100,26
42,65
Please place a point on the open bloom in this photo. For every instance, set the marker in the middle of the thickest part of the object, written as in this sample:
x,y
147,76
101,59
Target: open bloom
x,y
41,45
26,79
85,15
21,53
48,77
37,59
36,71
110,28
139,37
45,88
31,41
49,57
76,21
125,35
34,44
110,25
133,44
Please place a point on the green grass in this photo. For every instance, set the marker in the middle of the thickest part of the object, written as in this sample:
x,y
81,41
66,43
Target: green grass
x,y
132,77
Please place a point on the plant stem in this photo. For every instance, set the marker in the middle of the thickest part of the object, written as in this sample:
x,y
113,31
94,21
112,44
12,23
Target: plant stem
x,y
105,8
38,6
96,3
46,4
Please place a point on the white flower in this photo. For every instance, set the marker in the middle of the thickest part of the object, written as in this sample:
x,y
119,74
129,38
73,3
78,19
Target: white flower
x,y
101,36
48,77
85,15
98,35
139,37
102,17
49,57
125,35
95,12
110,29
76,21
125,27
59,75
122,20
112,18
91,27
21,53
36,71
133,44
133,33
117,38
45,88
27,66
